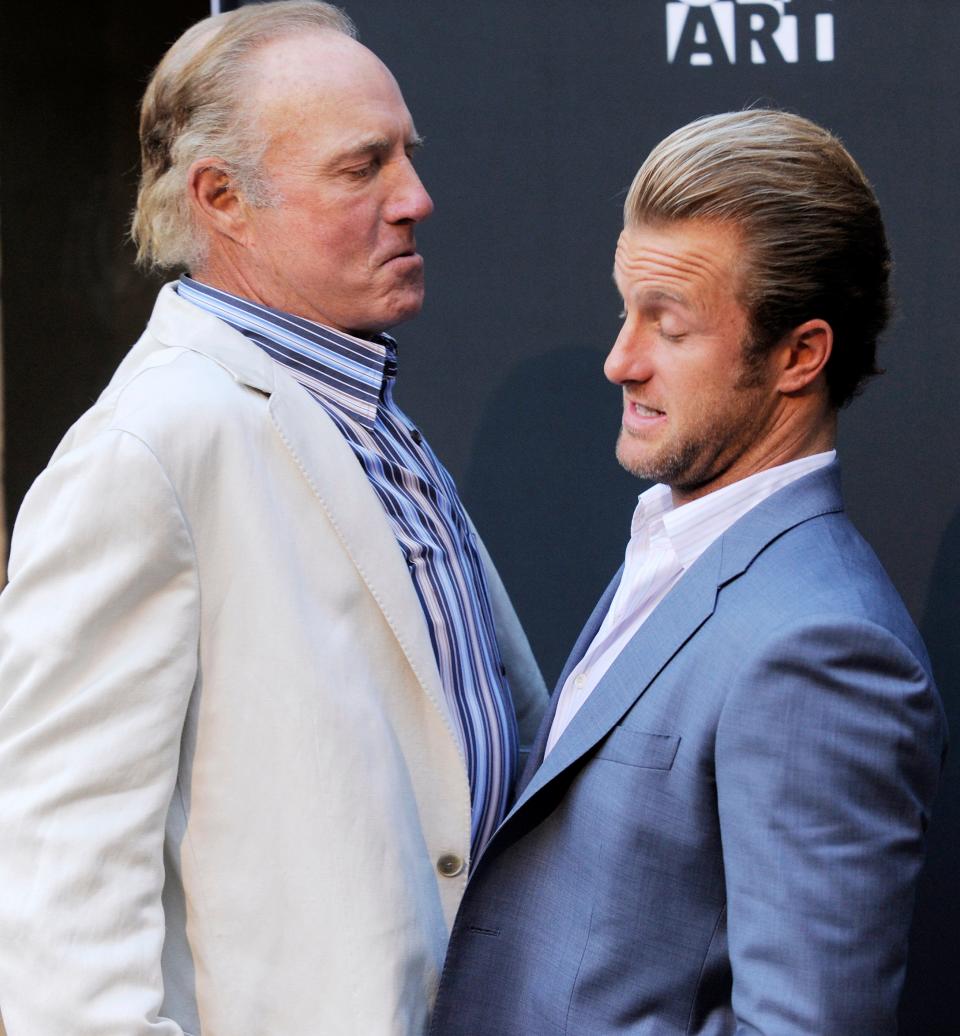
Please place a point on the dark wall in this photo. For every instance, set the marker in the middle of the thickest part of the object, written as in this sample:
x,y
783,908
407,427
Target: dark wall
x,y
536,115
72,77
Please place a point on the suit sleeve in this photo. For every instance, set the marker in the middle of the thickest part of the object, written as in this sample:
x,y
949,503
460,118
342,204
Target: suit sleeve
x,y
98,656
827,758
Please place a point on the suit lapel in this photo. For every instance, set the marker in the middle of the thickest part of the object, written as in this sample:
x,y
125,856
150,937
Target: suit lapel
x,y
681,613
675,620
587,634
589,631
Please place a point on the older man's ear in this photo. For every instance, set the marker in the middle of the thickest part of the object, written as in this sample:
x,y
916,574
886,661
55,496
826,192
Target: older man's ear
x,y
217,203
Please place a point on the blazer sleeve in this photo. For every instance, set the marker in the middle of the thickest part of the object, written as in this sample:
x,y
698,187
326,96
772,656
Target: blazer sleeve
x,y
98,656
828,755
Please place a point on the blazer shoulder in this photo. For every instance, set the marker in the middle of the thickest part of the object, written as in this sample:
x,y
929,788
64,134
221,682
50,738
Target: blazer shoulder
x,y
170,397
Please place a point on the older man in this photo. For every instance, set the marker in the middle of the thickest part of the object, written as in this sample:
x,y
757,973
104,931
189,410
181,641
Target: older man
x,y
727,822
255,720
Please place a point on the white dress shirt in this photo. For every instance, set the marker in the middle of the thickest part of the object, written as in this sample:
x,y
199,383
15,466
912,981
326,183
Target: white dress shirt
x,y
664,542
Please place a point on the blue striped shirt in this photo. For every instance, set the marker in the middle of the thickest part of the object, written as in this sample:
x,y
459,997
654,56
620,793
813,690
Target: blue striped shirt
x,y
353,378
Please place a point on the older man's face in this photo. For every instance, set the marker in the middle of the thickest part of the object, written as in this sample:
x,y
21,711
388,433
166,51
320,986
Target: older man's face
x,y
338,245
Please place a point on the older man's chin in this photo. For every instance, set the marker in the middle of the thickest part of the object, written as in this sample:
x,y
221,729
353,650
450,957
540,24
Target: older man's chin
x,y
395,309
405,300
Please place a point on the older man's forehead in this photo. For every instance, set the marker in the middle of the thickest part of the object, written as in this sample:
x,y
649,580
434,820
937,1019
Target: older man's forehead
x,y
296,68
345,104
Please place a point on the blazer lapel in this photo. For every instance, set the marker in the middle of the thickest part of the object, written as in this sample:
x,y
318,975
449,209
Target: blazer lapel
x,y
329,466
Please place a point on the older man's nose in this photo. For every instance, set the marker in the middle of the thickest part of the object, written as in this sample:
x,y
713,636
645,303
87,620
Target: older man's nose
x,y
409,201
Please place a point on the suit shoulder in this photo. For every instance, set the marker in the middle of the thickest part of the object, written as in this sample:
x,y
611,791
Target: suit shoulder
x,y
821,567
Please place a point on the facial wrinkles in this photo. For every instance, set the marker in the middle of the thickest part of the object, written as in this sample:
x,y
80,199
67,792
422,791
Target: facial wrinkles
x,y
688,276
312,144
711,427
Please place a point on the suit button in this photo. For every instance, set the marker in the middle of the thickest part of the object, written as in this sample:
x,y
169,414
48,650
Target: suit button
x,y
449,865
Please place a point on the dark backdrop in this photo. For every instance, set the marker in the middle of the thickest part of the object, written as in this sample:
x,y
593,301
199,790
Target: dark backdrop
x,y
536,116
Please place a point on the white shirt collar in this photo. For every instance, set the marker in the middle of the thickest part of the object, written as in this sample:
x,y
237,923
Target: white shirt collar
x,y
693,526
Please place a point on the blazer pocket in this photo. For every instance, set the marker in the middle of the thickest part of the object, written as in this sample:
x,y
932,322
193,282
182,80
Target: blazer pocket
x,y
637,748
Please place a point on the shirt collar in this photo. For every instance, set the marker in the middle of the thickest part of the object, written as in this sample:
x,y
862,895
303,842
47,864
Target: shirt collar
x,y
353,374
693,526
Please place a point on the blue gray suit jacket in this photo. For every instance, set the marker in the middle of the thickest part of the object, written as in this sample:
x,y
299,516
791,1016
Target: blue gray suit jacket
x,y
727,837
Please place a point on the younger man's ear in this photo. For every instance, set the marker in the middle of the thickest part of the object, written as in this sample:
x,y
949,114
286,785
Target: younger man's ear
x,y
805,351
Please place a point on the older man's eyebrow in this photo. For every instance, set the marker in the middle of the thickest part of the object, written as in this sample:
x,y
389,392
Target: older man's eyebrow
x,y
374,146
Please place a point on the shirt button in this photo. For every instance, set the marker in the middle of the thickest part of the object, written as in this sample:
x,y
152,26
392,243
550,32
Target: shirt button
x,y
450,865
416,436
579,681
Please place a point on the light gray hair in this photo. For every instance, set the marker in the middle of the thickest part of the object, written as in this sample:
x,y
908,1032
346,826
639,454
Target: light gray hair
x,y
193,106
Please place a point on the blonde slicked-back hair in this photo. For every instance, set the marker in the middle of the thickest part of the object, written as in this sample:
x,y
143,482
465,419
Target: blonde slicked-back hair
x,y
194,106
813,236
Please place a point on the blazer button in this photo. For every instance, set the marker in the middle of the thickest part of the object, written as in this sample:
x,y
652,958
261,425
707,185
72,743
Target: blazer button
x,y
450,865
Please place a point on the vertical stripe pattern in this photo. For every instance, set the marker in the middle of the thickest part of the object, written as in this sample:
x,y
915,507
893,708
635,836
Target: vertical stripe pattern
x,y
353,380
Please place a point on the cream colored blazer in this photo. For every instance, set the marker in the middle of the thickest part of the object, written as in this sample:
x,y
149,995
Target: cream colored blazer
x,y
227,768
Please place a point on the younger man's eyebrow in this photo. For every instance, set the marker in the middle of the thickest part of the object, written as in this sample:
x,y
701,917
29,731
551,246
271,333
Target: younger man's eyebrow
x,y
651,296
